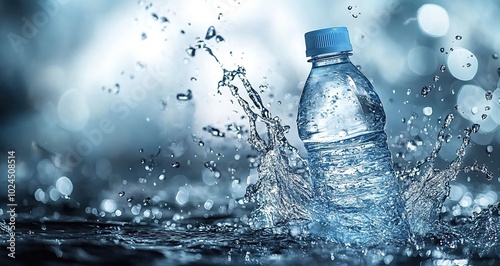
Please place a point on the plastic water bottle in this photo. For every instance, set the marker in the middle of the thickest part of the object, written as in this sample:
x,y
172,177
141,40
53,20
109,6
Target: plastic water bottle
x,y
341,123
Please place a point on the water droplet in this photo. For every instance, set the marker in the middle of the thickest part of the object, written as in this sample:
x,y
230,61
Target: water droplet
x,y
488,95
349,8
219,39
436,78
427,111
163,105
139,66
121,193
191,51
425,91
143,161
487,108
455,107
146,201
468,64
494,56
154,16
141,150
176,165
448,138
489,149
474,110
458,37
210,33
441,49
163,19
183,32
475,128
354,16
442,68
201,143
219,16
144,36
185,97
358,67
161,177
193,79
130,199
484,116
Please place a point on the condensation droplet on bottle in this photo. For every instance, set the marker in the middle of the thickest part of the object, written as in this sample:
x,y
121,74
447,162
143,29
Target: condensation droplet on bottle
x,y
484,116
354,16
176,165
161,177
349,8
441,49
154,16
116,88
442,68
141,150
468,65
143,161
458,37
436,78
487,108
144,36
130,199
220,16
164,19
201,143
121,193
494,56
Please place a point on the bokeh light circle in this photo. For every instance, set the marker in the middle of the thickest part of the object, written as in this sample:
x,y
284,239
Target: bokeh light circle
x,y
422,60
462,64
73,110
433,20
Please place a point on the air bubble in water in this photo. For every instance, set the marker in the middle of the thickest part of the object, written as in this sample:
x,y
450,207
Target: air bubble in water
x,y
185,96
210,33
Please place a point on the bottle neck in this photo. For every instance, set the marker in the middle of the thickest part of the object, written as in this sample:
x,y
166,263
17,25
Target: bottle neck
x,y
330,59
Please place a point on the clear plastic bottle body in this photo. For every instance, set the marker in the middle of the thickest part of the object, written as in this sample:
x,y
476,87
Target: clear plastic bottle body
x,y
341,122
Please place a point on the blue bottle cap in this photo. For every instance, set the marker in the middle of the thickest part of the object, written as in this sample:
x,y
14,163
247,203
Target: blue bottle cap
x,y
328,40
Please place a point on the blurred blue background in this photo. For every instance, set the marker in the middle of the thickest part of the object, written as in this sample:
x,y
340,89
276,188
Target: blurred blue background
x,y
111,115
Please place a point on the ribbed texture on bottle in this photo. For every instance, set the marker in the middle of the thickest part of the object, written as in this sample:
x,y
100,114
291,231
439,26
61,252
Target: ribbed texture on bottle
x,y
328,40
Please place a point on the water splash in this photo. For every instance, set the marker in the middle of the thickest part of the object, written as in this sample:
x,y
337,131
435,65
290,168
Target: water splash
x,y
283,189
